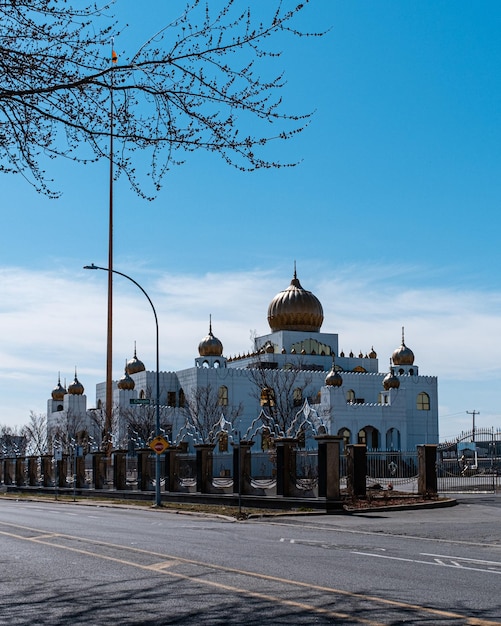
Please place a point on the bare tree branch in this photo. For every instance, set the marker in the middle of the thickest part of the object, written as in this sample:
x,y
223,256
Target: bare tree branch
x,y
198,83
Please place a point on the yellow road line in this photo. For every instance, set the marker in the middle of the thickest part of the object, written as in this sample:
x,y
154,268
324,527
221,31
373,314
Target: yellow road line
x,y
171,560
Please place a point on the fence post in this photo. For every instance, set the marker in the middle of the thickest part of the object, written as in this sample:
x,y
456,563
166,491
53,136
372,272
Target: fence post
x,y
62,468
328,466
20,461
144,481
356,469
46,461
286,466
242,467
7,472
172,469
427,469
98,470
32,471
119,470
204,467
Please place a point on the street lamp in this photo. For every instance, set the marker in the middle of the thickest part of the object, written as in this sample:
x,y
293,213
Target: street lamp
x,y
158,500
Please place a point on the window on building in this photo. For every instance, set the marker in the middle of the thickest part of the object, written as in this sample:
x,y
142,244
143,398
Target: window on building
x,y
350,395
171,398
182,399
297,397
223,442
142,394
362,437
345,433
393,439
423,402
267,397
222,396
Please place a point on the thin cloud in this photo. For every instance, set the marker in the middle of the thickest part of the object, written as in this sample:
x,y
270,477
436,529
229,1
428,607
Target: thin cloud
x,y
53,322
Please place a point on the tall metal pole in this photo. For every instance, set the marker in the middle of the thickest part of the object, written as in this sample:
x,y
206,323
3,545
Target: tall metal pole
x,y
158,499
109,333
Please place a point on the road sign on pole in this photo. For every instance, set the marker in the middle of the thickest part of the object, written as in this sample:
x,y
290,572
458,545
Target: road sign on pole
x,y
140,401
159,444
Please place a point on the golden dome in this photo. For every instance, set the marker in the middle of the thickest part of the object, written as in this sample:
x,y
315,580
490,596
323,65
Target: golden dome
x,y
372,353
333,378
59,391
210,345
134,365
295,309
126,383
403,355
76,388
390,381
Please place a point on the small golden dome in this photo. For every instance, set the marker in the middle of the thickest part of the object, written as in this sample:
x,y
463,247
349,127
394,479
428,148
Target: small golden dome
x,y
390,381
76,388
295,308
210,345
333,378
59,391
403,355
126,383
372,353
134,365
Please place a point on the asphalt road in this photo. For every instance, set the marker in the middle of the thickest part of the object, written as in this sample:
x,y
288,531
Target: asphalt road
x,y
80,564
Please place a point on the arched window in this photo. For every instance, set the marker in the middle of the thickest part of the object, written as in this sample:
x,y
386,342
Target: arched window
x,y
223,442
297,397
345,433
382,398
182,399
267,397
142,394
222,396
370,437
393,439
423,402
350,395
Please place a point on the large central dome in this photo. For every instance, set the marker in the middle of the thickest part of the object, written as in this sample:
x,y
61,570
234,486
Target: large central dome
x,y
295,309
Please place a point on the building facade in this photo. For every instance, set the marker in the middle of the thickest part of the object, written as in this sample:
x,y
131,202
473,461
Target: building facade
x,y
294,371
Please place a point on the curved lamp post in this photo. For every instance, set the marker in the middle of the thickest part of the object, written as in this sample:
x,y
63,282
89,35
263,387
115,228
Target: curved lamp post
x,y
158,500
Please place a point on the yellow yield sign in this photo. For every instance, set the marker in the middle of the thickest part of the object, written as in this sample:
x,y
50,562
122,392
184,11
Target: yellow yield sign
x,y
159,444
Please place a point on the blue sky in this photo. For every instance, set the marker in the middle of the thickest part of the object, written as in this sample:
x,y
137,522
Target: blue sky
x,y
392,217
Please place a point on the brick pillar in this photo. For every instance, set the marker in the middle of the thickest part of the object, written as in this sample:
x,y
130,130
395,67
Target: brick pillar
x,y
328,466
144,481
79,472
7,472
242,467
427,470
172,469
98,470
20,471
204,467
120,470
356,469
47,480
62,468
32,471
286,466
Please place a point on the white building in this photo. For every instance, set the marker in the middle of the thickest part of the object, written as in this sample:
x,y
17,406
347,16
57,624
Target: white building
x,y
294,363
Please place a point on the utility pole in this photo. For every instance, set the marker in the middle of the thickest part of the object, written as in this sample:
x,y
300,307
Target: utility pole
x,y
473,429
